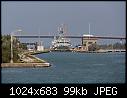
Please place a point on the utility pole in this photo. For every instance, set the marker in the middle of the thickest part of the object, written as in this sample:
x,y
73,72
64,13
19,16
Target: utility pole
x,y
11,61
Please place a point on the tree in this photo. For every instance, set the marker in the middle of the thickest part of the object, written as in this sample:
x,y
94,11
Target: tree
x,y
93,47
5,48
6,51
119,46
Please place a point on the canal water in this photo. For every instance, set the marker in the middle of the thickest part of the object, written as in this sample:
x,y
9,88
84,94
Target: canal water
x,y
71,67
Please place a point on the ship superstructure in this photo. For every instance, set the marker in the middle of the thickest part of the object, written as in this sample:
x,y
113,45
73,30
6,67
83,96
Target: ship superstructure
x,y
61,43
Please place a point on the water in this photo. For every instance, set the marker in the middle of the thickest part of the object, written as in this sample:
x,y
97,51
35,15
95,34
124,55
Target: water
x,y
68,67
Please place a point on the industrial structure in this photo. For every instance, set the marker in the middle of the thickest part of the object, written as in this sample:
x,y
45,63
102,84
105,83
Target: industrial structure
x,y
87,41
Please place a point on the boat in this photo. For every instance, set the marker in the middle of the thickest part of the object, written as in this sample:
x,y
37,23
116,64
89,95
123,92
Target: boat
x,y
60,42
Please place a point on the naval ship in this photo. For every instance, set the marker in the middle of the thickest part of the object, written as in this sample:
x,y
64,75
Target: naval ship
x,y
60,43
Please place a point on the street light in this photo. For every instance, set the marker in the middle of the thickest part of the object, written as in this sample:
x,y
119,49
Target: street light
x,y
11,61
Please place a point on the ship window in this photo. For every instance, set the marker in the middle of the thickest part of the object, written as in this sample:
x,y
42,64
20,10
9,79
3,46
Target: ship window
x,y
90,42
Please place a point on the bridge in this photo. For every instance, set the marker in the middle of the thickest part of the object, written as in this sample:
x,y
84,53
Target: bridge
x,y
48,36
80,37
29,43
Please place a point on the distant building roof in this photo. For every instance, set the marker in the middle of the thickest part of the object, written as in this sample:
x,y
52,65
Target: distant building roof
x,y
87,35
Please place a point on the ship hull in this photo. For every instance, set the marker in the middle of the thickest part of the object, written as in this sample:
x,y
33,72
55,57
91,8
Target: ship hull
x,y
61,48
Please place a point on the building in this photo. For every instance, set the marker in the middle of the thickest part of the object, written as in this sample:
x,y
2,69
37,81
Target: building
x,y
88,40
39,47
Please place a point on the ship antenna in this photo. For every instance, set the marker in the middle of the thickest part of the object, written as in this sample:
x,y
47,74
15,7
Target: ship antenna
x,y
89,30
65,30
39,43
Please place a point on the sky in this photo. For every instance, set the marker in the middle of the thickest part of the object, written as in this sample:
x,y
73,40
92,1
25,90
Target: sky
x,y
106,18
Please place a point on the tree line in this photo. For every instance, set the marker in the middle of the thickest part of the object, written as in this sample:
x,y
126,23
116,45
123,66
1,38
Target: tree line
x,y
94,47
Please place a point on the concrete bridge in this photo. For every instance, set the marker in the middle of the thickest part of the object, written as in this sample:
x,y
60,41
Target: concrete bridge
x,y
48,36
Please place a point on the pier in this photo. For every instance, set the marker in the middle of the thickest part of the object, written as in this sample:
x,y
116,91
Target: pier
x,y
115,50
100,51
22,65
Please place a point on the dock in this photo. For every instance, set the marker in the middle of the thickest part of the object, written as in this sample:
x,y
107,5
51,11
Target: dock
x,y
24,65
101,51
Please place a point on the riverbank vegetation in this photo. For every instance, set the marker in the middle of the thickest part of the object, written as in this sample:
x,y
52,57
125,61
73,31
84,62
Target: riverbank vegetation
x,y
95,47
6,49
20,52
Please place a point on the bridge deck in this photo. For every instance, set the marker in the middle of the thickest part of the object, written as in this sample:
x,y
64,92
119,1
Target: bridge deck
x,y
98,37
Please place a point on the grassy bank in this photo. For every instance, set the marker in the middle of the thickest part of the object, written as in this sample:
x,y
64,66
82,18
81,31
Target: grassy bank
x,y
38,52
28,57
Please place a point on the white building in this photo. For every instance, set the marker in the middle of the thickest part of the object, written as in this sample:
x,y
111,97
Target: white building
x,y
40,47
87,35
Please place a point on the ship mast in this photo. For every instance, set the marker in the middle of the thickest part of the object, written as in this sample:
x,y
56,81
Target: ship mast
x,y
61,30
89,30
39,42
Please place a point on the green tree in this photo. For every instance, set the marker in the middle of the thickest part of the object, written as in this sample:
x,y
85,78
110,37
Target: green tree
x,y
6,50
93,47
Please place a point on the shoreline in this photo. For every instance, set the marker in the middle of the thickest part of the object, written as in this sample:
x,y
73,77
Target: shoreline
x,y
31,61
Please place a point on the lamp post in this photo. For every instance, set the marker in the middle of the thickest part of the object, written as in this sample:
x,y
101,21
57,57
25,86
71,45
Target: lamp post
x,y
11,61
